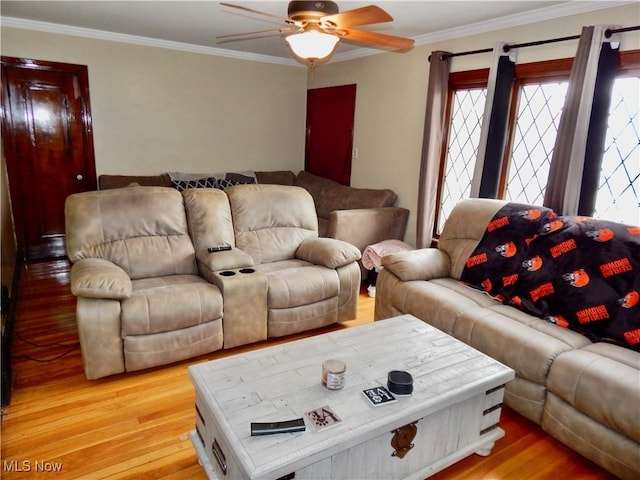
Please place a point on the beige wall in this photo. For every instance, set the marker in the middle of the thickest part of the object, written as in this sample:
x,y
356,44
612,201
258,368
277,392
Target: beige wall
x,y
391,94
156,110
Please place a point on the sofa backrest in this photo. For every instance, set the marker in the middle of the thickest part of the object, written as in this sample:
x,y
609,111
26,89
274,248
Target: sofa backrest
x,y
464,228
329,195
276,177
209,217
270,221
141,229
107,182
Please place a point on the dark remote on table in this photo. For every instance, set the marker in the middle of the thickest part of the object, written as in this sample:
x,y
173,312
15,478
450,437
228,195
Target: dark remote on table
x,y
288,426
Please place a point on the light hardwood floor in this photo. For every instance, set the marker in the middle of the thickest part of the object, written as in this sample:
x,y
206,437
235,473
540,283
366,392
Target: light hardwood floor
x,y
136,425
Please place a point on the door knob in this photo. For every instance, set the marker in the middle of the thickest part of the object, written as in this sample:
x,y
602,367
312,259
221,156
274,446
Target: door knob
x,y
79,176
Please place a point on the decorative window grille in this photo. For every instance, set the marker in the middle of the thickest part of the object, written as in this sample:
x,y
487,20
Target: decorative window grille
x,y
462,149
618,196
536,128
526,171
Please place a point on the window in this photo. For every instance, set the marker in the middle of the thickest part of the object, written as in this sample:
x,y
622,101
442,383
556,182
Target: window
x,y
465,109
534,137
619,186
537,101
462,148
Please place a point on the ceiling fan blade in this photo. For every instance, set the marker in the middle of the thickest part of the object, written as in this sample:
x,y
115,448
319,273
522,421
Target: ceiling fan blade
x,y
359,16
260,33
373,38
257,12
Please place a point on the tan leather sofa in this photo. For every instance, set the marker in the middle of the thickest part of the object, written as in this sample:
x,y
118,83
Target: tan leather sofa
x,y
585,394
150,293
360,216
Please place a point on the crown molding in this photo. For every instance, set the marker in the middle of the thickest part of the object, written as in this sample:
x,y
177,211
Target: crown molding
x,y
142,41
519,19
509,21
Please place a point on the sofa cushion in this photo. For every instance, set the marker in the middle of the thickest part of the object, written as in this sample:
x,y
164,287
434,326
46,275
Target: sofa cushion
x,y
128,226
294,284
271,221
164,304
571,338
603,382
507,336
329,195
437,302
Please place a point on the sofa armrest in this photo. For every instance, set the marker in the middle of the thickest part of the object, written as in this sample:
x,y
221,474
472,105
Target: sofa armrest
x,y
100,278
329,252
225,260
422,264
366,226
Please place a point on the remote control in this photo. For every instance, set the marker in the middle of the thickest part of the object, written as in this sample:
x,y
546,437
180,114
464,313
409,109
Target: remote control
x,y
219,248
289,426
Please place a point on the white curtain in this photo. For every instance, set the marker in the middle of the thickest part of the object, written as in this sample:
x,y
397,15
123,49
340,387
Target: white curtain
x,y
567,164
432,147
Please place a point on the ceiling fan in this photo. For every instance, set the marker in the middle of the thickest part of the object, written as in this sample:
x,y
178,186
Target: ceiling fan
x,y
314,28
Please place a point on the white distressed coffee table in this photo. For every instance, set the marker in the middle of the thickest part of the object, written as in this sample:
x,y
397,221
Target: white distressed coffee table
x,y
454,410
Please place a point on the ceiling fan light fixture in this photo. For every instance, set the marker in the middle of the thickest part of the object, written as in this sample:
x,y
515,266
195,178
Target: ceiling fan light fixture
x,y
312,45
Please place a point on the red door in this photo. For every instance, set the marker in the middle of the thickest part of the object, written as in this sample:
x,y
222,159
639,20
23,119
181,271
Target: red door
x,y
329,143
48,145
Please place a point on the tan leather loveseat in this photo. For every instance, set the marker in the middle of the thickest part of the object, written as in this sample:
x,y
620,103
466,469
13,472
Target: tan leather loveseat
x,y
150,293
585,394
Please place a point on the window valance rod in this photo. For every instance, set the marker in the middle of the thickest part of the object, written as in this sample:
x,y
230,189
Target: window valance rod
x,y
507,48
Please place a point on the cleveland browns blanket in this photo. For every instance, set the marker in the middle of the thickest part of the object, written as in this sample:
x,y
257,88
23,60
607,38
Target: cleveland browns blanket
x,y
577,272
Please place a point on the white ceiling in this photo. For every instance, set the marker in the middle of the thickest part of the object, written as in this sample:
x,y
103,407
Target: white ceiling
x,y
195,24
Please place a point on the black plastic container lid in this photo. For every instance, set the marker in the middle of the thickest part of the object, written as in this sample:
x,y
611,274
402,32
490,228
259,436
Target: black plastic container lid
x,y
400,382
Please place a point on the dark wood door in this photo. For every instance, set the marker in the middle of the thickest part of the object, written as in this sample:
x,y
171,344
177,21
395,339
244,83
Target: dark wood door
x,y
329,142
48,146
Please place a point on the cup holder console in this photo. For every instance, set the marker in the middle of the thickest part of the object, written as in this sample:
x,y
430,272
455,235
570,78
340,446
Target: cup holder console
x,y
231,273
244,294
